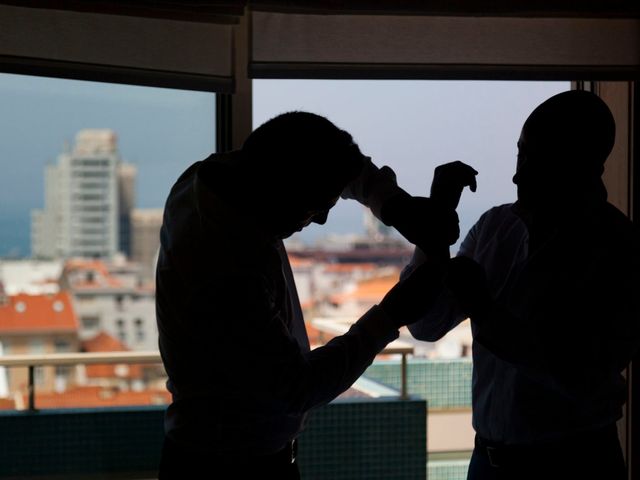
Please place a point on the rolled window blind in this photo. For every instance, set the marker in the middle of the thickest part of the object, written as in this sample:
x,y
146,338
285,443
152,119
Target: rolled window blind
x,y
412,46
129,49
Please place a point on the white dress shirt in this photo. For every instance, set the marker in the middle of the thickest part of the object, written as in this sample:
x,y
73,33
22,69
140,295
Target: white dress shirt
x,y
564,327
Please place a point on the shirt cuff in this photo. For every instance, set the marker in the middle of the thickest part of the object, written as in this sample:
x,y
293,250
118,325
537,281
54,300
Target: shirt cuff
x,y
378,326
373,187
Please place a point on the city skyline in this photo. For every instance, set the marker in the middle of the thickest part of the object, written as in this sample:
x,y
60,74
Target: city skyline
x,y
161,131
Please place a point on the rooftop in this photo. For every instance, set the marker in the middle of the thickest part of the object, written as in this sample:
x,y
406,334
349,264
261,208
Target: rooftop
x,y
368,291
33,277
27,314
103,342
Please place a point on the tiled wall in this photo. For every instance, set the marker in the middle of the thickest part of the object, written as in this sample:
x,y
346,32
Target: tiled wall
x,y
448,470
379,439
443,383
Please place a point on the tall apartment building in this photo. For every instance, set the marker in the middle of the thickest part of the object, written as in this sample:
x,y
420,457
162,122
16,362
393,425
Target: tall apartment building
x,y
87,194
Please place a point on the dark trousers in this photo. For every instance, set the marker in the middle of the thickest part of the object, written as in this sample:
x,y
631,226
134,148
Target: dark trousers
x,y
179,463
588,456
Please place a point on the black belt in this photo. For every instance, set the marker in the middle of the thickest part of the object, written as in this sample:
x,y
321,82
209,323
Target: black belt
x,y
506,455
288,454
177,459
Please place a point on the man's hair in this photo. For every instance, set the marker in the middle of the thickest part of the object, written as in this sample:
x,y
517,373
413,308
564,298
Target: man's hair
x,y
576,126
303,145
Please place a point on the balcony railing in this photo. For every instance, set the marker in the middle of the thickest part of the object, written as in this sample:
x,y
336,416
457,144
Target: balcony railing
x,y
361,438
70,359
138,358
339,326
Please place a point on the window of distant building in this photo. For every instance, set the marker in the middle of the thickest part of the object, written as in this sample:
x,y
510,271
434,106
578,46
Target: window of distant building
x,y
36,346
119,302
121,330
90,323
140,333
61,346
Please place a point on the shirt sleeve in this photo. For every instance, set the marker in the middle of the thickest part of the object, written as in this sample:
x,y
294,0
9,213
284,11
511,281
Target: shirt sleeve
x,y
289,380
581,329
373,187
445,313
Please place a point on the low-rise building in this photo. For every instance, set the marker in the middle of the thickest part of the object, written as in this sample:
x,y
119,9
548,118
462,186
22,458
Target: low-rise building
x,y
111,298
38,324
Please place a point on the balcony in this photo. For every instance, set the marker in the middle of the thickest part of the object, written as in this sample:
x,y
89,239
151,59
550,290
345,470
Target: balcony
x,y
351,438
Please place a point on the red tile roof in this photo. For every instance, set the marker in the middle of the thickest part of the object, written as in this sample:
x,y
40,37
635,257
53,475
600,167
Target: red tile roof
x,y
349,267
368,291
7,404
101,278
299,262
28,314
95,396
103,342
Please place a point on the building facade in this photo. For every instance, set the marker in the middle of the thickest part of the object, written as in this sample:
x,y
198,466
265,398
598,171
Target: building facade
x,y
37,324
110,298
83,208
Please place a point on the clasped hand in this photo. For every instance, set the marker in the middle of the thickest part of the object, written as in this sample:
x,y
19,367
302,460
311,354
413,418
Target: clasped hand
x,y
431,223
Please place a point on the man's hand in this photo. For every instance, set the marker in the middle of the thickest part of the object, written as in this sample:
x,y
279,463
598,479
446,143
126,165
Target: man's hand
x,y
412,297
448,182
467,281
421,221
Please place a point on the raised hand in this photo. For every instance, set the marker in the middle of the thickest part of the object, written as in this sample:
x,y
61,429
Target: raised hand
x,y
449,180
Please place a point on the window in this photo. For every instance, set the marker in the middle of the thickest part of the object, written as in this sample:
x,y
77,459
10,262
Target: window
x,y
140,333
121,330
412,126
157,131
36,346
90,322
61,346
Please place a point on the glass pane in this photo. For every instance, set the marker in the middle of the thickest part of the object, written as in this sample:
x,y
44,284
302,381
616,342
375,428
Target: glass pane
x,y
344,267
87,169
413,126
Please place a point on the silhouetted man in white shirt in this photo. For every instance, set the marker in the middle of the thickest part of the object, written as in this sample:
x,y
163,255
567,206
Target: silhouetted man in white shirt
x,y
551,285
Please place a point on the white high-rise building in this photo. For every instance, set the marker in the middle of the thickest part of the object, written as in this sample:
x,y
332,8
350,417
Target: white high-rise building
x,y
82,212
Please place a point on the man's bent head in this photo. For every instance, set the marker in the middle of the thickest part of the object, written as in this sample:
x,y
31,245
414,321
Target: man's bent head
x,y
299,164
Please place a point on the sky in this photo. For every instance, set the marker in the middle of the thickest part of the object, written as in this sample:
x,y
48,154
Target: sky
x,y
414,126
411,126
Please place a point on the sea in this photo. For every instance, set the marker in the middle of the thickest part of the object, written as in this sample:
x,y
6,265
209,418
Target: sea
x,y
15,236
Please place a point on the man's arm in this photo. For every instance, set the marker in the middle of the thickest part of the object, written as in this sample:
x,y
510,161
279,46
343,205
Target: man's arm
x,y
431,225
446,312
293,381
573,334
